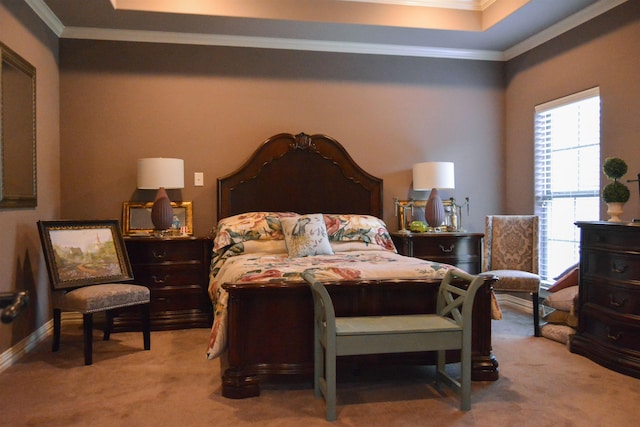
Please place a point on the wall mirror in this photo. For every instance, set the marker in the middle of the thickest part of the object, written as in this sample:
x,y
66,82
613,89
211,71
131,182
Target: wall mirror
x,y
18,183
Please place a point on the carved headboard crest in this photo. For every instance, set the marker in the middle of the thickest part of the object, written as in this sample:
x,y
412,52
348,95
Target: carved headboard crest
x,y
304,142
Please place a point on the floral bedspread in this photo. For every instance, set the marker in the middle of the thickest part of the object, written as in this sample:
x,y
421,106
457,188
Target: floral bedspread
x,y
235,266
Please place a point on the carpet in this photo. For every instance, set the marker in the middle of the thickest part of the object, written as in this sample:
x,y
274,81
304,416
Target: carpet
x,y
541,384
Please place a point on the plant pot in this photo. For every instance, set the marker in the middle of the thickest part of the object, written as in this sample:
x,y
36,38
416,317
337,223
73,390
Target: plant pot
x,y
614,210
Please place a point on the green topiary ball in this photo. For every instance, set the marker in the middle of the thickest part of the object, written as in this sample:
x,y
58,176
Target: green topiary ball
x,y
614,167
615,192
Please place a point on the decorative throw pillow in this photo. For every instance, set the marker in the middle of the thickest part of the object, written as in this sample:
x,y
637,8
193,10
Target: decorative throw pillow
x,y
567,279
306,235
249,226
562,299
363,228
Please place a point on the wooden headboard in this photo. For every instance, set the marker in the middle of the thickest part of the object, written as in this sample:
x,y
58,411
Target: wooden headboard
x,y
303,174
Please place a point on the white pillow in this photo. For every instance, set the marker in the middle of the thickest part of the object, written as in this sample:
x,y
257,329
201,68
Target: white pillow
x,y
306,235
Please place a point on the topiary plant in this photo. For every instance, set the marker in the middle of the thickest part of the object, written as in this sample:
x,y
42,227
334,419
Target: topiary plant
x,y
614,168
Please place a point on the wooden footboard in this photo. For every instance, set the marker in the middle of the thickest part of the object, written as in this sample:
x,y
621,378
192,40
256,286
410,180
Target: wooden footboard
x,y
271,328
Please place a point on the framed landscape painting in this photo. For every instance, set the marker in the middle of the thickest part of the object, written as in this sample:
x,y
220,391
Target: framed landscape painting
x,y
81,253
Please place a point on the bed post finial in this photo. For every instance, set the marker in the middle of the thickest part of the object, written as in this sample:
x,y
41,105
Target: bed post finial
x,y
304,142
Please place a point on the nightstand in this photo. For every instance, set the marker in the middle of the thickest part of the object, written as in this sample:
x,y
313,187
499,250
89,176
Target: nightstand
x,y
176,271
464,250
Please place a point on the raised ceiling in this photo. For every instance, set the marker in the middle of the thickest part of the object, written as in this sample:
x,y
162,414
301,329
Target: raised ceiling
x,y
468,29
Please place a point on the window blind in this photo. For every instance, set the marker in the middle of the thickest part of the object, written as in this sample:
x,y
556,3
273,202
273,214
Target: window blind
x,y
567,175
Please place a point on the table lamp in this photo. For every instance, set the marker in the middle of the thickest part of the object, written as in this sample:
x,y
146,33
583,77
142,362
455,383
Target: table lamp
x,y
431,176
159,173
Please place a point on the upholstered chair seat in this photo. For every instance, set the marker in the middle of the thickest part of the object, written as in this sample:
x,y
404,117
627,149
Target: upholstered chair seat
x,y
95,298
511,254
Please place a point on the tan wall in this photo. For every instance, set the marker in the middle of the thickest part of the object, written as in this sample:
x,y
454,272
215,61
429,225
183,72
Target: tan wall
x,y
213,106
604,52
116,102
21,264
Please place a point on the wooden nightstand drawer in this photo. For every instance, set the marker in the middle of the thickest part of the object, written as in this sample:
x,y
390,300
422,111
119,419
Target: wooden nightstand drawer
x,y
160,276
154,251
447,247
189,298
464,250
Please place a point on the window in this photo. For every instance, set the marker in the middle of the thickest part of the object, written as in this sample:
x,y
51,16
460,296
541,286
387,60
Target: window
x,y
567,176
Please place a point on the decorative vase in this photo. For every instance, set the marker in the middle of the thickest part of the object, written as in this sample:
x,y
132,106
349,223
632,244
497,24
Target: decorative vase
x,y
162,212
434,210
614,210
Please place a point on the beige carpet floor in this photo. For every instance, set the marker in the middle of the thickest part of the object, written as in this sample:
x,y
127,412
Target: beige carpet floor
x,y
541,384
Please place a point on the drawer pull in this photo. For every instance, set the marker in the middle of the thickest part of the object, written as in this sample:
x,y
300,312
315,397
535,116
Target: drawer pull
x,y
160,281
445,250
159,255
612,337
617,269
614,303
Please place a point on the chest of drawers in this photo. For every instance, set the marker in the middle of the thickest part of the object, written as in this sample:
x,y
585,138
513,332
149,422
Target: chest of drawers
x,y
464,250
176,271
609,296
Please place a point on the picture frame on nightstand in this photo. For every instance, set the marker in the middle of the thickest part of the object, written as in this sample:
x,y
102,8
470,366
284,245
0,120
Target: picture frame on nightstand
x,y
136,217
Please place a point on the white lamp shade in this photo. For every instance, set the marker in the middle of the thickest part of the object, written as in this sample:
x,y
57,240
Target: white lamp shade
x,y
160,172
428,175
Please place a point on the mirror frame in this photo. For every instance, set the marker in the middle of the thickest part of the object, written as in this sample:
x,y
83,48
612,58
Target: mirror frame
x,y
9,197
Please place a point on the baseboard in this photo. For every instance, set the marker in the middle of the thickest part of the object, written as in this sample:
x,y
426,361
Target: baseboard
x,y
513,301
13,354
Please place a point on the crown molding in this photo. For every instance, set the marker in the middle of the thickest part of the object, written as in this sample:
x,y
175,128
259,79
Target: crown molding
x,y
48,17
276,43
445,4
561,27
51,20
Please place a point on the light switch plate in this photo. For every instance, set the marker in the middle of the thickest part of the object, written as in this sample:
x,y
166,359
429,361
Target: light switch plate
x,y
198,179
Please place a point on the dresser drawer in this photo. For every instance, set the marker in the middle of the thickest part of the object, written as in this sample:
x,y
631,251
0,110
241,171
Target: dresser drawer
x,y
611,329
607,236
160,276
616,266
622,298
160,251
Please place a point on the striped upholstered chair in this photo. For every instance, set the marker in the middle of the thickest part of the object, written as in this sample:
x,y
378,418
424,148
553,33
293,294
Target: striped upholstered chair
x,y
511,254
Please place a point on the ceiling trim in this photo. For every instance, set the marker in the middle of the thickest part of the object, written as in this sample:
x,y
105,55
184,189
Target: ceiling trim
x,y
277,43
52,21
448,4
561,27
48,17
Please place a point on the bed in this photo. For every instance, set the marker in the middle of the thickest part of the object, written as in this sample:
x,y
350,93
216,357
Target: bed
x,y
263,327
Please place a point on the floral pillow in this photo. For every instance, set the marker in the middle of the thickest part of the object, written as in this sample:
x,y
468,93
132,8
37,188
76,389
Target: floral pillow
x,y
306,235
364,228
249,226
